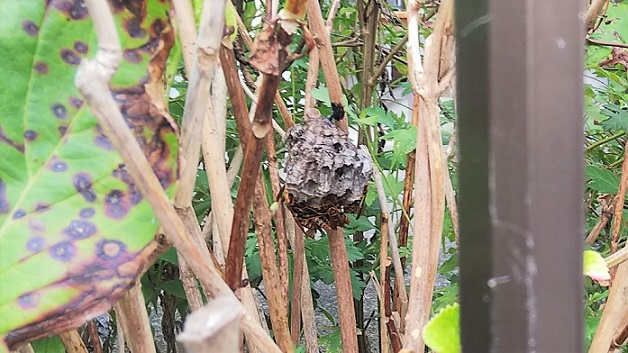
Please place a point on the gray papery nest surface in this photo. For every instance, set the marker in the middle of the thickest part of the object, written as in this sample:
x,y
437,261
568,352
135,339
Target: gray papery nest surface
x,y
323,166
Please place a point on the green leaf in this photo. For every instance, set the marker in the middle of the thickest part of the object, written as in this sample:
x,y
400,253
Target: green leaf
x,y
442,332
175,288
602,180
595,267
48,345
75,232
332,341
321,94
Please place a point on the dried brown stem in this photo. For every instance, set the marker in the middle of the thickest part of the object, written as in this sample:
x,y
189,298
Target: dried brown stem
x,y
329,23
450,195
614,312
131,312
296,238
428,79
619,202
298,254
394,247
595,10
204,64
312,79
72,342
391,323
280,229
190,133
617,258
621,337
382,65
277,299
240,226
607,44
384,298
94,337
260,127
344,294
607,203
213,328
408,184
328,63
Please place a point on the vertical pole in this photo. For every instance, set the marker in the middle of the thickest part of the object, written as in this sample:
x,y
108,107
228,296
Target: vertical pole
x,y
521,174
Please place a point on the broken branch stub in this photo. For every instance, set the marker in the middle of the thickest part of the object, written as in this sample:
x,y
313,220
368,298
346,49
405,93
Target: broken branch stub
x,y
326,174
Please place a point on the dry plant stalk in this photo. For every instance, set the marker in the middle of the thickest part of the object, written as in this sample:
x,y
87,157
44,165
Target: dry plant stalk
x,y
277,298
619,202
344,294
213,328
429,79
306,302
400,282
408,183
269,54
617,258
384,262
276,288
394,246
614,312
72,342
213,142
94,337
594,11
203,61
92,81
327,60
131,312
607,214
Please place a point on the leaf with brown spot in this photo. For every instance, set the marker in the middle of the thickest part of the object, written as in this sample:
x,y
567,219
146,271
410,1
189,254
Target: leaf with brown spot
x,y
75,232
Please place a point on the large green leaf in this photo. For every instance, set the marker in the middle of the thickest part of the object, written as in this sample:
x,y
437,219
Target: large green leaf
x,y
75,232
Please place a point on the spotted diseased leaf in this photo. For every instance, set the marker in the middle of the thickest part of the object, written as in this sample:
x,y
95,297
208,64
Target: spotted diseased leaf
x,y
75,232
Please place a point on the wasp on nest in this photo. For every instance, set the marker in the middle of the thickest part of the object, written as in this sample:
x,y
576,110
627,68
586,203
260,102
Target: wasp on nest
x,y
326,174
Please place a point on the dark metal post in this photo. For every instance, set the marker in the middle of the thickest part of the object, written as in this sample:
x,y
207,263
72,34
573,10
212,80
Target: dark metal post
x,y
521,174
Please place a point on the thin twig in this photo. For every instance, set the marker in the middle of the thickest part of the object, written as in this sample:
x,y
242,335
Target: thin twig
x,y
312,79
607,44
277,298
617,258
335,5
306,303
394,246
131,311
94,337
450,195
382,65
619,202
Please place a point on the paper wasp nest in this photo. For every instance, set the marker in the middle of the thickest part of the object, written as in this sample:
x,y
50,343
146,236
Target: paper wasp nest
x,y
326,174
